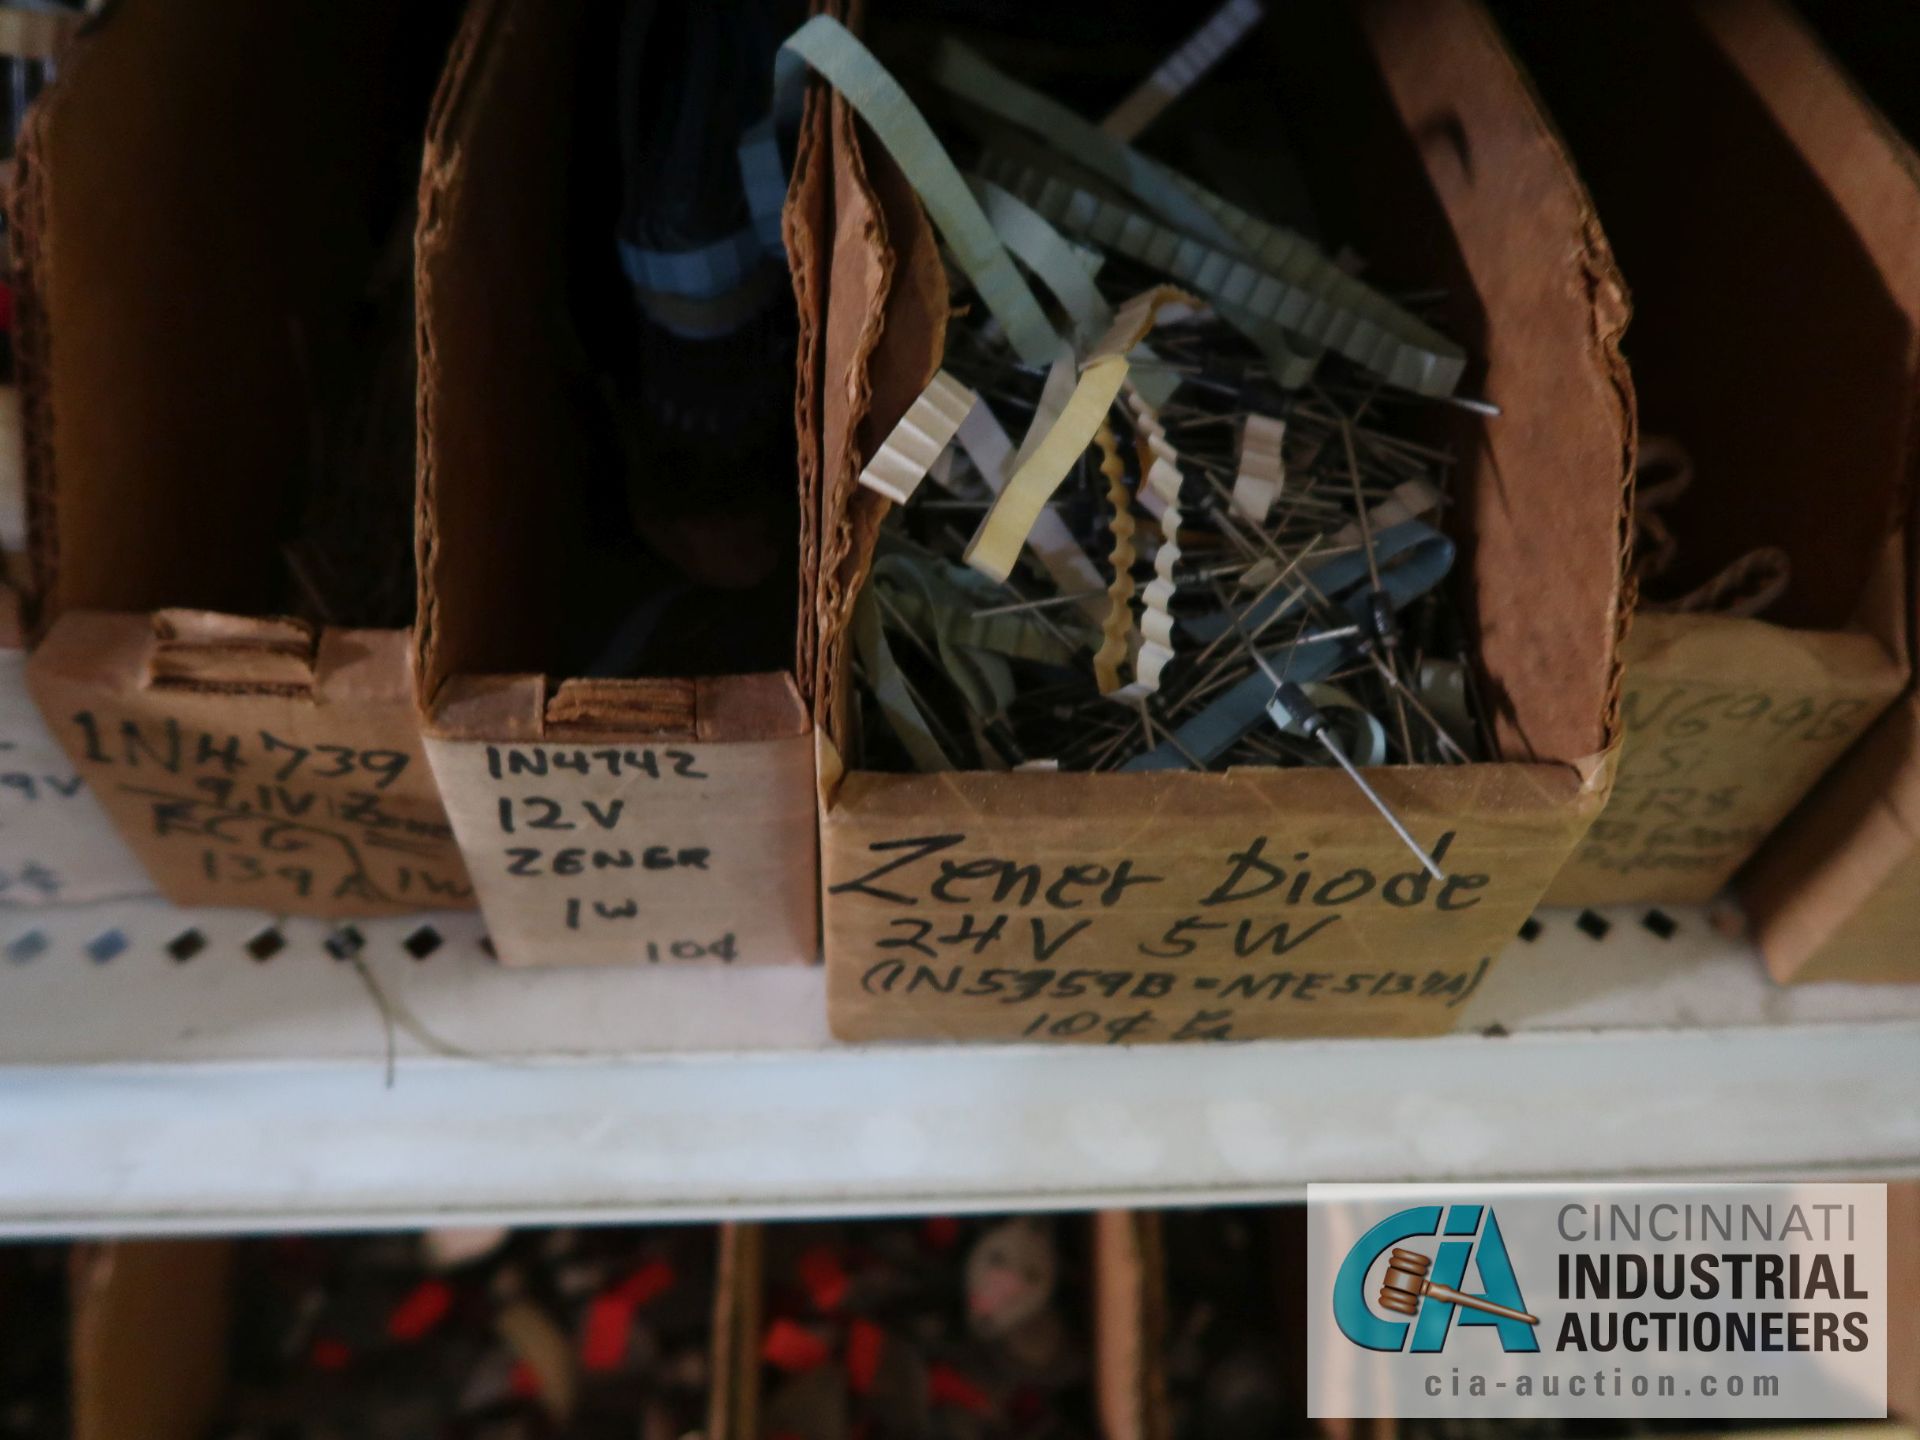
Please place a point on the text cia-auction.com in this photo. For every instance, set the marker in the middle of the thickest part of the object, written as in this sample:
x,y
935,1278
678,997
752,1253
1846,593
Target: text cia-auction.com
x,y
1597,1301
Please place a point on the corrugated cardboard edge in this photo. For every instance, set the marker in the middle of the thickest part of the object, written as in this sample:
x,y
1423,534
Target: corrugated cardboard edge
x,y
1129,1324
525,709
884,334
1407,37
1861,825
733,1401
440,175
806,223
27,219
149,1338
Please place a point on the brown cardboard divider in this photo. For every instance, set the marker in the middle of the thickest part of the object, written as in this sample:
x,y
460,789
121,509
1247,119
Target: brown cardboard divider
x,y
1123,1343
1129,1328
1835,894
1771,237
1105,908
149,1338
690,802
195,217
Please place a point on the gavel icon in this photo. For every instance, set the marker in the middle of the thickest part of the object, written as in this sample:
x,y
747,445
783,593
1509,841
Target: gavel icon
x,y
1407,1281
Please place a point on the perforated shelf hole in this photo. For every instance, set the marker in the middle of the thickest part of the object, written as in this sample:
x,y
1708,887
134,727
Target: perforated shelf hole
x,y
267,944
422,942
1593,923
187,944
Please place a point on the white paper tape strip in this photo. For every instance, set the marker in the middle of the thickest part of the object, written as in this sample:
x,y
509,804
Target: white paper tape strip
x,y
1163,480
927,428
1262,472
1180,71
1409,500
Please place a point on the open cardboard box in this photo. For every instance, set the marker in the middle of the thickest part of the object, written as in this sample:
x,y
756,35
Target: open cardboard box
x,y
198,212
688,801
1835,894
1771,238
56,844
1118,1248
1262,902
151,1325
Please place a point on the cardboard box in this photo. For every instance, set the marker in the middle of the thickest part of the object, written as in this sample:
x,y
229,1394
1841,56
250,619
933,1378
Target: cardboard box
x,y
1124,1262
1772,242
1154,907
149,1325
57,846
604,820
1835,895
152,1333
1277,1264
194,212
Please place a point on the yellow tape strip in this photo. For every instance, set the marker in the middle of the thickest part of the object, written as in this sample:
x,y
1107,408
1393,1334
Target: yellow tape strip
x,y
1004,528
1117,625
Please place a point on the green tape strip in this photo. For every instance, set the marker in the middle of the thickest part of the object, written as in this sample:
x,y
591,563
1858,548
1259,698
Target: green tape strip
x,y
1292,256
1316,309
960,70
827,46
1053,258
934,606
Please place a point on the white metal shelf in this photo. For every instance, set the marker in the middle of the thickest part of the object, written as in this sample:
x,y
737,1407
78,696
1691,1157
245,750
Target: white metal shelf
x,y
280,1086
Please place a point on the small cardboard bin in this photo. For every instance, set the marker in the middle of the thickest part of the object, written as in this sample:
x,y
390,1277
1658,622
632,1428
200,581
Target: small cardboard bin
x,y
211,215
1769,235
1835,894
56,844
152,1326
1262,901
1117,1248
608,814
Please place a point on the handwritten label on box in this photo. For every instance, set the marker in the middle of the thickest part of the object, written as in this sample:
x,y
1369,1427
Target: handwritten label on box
x,y
636,852
57,845
1720,745
311,803
1122,909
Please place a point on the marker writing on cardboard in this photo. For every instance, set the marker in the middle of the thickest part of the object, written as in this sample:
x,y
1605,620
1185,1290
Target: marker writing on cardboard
x,y
1221,999
574,838
954,925
506,762
1686,800
257,813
